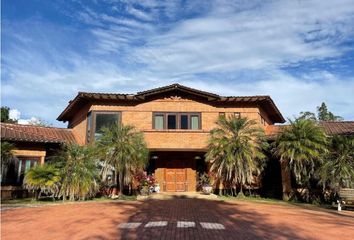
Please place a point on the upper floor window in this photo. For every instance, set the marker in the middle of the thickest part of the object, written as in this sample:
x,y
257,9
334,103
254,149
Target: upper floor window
x,y
97,121
237,114
222,114
176,121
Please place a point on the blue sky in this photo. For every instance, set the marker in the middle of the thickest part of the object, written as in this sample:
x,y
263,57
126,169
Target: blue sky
x,y
299,52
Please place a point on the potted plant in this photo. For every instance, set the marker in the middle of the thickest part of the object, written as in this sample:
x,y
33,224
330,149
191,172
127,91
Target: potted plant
x,y
204,181
146,183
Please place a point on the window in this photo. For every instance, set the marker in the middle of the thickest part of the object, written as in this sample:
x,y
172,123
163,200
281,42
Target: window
x,y
25,164
104,120
237,114
222,114
184,121
158,121
195,122
89,126
97,121
171,121
176,121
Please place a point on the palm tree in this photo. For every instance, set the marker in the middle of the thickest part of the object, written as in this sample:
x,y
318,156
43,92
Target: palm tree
x,y
299,146
125,149
79,172
6,157
338,169
235,151
43,179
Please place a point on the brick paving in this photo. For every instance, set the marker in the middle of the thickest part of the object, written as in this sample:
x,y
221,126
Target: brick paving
x,y
176,219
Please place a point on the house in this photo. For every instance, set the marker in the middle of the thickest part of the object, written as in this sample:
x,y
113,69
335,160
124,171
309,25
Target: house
x,y
33,145
176,121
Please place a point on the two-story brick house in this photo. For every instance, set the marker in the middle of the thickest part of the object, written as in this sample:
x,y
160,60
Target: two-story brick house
x,y
176,121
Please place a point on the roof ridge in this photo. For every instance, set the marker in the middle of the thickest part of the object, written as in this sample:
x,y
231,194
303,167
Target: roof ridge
x,y
36,126
336,121
107,93
247,96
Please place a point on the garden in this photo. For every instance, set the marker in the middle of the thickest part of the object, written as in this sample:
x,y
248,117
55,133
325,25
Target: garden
x,y
317,165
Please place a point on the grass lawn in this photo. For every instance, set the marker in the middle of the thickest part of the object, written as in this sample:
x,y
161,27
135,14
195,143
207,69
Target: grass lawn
x,y
31,201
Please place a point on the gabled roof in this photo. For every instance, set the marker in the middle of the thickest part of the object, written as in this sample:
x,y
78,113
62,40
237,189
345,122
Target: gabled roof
x,y
176,86
331,128
30,133
84,97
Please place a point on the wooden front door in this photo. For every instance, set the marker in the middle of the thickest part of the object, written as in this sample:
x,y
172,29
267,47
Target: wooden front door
x,y
175,177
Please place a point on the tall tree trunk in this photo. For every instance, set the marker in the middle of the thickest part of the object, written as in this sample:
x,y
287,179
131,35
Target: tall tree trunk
x,y
121,185
285,180
241,191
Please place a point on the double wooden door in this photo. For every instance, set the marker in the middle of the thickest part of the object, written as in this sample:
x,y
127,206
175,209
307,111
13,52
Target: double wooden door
x,y
175,177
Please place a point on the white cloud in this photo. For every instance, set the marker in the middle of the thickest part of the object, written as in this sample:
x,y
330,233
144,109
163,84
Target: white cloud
x,y
232,48
14,114
30,121
292,95
139,14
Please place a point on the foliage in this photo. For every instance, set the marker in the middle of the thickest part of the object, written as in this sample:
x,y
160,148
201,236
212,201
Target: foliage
x,y
44,179
308,115
5,115
145,180
79,172
325,115
235,150
338,169
301,146
125,149
6,156
205,179
322,114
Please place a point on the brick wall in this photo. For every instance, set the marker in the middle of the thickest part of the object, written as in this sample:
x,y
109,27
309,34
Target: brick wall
x,y
140,115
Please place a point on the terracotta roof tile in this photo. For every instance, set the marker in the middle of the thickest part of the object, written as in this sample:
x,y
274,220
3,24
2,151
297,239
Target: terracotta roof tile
x,y
341,127
331,128
30,133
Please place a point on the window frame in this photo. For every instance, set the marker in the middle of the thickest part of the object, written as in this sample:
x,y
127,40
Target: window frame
x,y
153,120
21,166
93,114
237,114
178,120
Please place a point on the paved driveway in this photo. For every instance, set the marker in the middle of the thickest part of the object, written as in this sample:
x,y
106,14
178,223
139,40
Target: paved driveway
x,y
175,219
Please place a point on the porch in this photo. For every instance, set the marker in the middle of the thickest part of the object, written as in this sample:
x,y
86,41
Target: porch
x,y
177,171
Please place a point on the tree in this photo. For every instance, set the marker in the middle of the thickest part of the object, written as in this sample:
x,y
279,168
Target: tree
x,y
5,115
125,149
235,151
338,168
324,115
300,146
308,115
6,157
43,179
79,172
